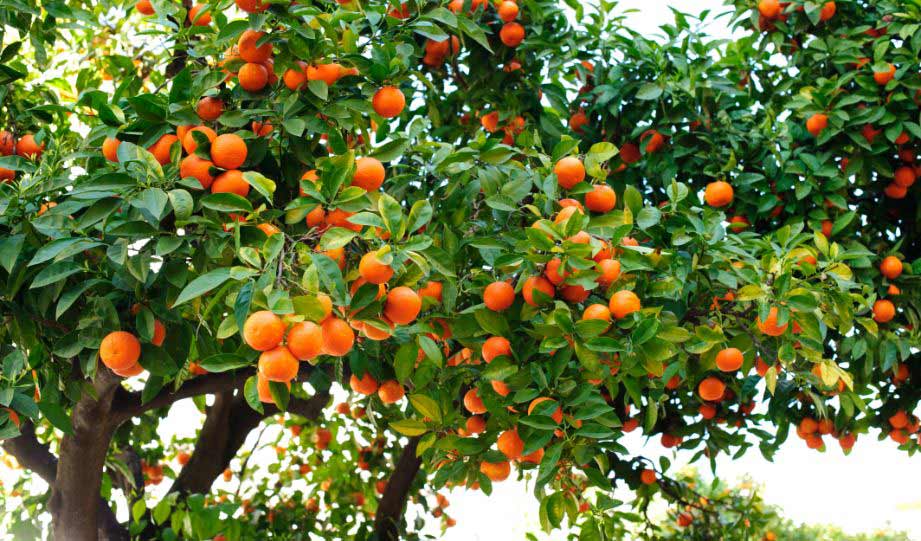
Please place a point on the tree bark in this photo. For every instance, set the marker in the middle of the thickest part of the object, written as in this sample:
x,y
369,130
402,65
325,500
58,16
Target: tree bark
x,y
391,507
75,502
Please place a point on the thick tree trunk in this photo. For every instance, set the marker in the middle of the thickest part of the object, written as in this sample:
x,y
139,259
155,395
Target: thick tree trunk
x,y
393,502
75,505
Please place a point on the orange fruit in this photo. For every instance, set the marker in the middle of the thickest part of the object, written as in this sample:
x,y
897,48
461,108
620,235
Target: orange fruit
x,y
263,330
188,140
144,7
596,311
473,402
534,458
253,77
629,153
552,271
883,311
252,6
769,8
899,419
510,444
161,149
574,293
623,303
816,124
540,284
891,267
432,290
230,182
250,51
511,34
718,194
496,471
496,346
390,392
508,11
131,371
729,359
159,333
200,15
265,391
278,364
567,212
609,270
569,172
366,385
338,337
228,151
556,416
119,350
305,340
372,270
402,305
769,325
296,78
268,229
369,174
648,476
110,148
475,424
388,101
499,296
500,387
28,148
328,73
711,389
895,191
904,177
209,108
602,198
7,175
707,411
197,168
490,121
883,77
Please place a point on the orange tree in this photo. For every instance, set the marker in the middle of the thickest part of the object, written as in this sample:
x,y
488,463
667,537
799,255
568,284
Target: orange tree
x,y
512,239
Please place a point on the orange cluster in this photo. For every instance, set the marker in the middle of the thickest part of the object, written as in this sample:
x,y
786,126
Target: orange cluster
x,y
120,351
26,147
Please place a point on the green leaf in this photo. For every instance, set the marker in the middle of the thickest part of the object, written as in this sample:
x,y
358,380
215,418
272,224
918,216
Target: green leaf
x,y
261,184
61,248
182,203
224,362
426,407
54,273
649,91
409,427
251,393
10,248
226,202
56,415
202,285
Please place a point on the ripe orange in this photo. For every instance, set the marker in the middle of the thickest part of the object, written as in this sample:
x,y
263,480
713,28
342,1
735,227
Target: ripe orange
x,y
161,149
188,140
119,350
228,151
816,124
904,177
475,424
540,284
131,371
328,73
296,78
828,11
144,7
496,346
729,360
597,311
264,390
654,141
508,11
473,402
432,290
711,389
372,270
338,337
534,458
769,326
574,293
340,218
268,229
569,172
490,121
249,51
159,333
602,198
200,15
110,148
512,34
305,340
209,108
510,444
685,520
253,77
629,153
609,270
899,419
718,194
891,267
648,476
552,271
366,385
388,101
369,174
883,77
230,182
707,411
883,311
578,121
496,471
567,212
278,364
623,303
402,305
499,296
263,330
252,6
391,392
895,191
556,416
500,387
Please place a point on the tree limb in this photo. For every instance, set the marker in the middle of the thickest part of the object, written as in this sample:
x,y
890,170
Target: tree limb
x,y
393,502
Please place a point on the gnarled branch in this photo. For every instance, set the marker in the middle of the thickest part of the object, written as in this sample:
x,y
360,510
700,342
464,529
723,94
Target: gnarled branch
x,y
391,507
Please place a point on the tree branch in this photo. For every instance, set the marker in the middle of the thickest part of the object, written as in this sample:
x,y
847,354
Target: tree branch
x,y
393,502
